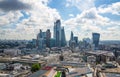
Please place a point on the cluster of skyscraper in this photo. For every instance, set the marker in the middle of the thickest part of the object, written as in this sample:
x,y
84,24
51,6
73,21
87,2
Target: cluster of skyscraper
x,y
44,38
73,42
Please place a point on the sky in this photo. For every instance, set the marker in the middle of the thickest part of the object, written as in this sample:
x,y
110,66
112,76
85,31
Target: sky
x,y
22,19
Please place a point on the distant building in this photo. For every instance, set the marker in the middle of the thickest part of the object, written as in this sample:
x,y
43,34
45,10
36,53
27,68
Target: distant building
x,y
86,43
41,40
91,60
12,52
40,43
95,38
40,34
38,37
102,56
76,40
57,33
73,42
52,42
71,39
34,42
48,36
63,39
15,66
44,35
44,38
72,36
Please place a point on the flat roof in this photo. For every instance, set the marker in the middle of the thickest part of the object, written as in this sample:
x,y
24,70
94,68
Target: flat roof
x,y
112,75
79,71
106,53
38,73
113,70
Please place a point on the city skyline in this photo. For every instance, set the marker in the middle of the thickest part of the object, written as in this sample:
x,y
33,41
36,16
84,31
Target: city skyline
x,y
22,19
44,39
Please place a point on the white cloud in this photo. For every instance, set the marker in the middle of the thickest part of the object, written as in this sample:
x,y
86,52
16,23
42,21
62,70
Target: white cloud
x,y
71,15
80,4
90,21
41,17
113,8
9,17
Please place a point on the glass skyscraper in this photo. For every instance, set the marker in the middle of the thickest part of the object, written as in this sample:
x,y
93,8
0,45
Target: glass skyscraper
x,y
95,38
57,33
76,40
71,39
63,39
48,36
41,40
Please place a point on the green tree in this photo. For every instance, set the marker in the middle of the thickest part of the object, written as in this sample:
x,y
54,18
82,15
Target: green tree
x,y
58,74
35,67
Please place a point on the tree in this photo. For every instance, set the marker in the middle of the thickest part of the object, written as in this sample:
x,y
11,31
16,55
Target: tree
x,y
35,67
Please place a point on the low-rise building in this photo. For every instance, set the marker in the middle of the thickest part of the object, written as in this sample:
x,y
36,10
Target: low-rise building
x,y
80,72
102,56
12,52
91,60
5,75
15,66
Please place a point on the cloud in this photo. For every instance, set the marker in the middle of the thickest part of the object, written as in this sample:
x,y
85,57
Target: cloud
x,y
40,17
71,15
89,21
13,5
113,8
80,4
9,17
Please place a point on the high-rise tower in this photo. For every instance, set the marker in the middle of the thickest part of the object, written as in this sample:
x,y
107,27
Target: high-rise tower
x,y
96,37
48,36
57,33
63,39
40,40
71,37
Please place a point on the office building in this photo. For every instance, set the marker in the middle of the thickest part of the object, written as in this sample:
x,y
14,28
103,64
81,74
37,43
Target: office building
x,y
63,38
52,42
95,38
57,33
34,42
76,40
41,40
71,39
48,36
44,38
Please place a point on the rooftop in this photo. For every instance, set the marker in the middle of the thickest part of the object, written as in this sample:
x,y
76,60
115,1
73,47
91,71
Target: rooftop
x,y
112,75
79,72
38,73
113,70
106,53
